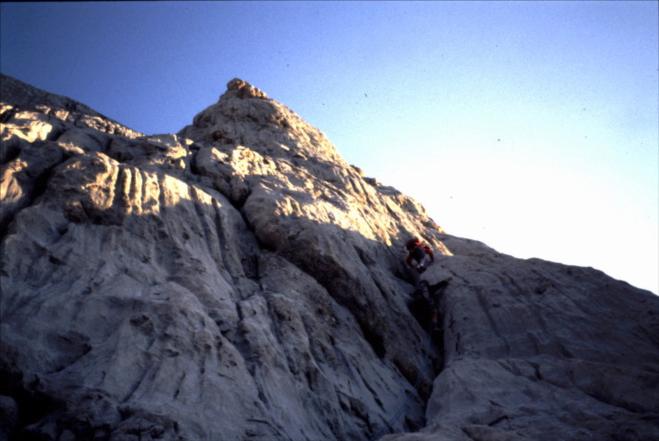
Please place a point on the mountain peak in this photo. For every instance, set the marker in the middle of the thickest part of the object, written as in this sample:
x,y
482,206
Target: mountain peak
x,y
240,280
244,115
244,90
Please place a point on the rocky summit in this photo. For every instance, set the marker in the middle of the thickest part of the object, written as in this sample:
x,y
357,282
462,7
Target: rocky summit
x,y
239,280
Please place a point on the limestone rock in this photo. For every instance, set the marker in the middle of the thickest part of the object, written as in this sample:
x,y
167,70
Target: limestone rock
x,y
239,280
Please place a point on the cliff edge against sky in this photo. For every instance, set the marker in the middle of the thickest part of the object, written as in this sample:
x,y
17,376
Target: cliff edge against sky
x,y
239,280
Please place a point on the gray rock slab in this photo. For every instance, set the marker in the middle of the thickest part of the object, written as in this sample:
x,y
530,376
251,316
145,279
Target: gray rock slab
x,y
239,280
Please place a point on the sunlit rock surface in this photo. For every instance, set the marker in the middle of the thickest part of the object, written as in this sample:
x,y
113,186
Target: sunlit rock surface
x,y
240,281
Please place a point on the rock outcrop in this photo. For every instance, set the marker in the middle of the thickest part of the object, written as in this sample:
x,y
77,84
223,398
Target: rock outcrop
x,y
240,281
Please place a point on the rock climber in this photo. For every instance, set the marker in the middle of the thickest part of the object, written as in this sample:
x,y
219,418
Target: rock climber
x,y
419,255
419,258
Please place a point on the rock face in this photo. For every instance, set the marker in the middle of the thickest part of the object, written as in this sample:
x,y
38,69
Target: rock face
x,y
240,281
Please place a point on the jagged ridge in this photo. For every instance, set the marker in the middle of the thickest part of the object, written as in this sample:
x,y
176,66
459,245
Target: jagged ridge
x,y
239,280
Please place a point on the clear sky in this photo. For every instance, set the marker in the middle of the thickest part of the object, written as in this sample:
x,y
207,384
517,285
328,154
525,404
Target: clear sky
x,y
531,126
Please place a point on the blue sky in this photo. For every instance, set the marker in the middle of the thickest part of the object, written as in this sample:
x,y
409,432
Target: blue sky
x,y
531,126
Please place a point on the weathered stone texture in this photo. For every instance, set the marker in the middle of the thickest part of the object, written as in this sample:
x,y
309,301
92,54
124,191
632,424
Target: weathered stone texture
x,y
239,280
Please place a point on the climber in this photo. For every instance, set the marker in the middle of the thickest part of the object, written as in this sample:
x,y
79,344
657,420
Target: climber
x,y
419,255
419,258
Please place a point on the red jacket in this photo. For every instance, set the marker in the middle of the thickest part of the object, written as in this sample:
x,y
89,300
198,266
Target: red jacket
x,y
416,253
